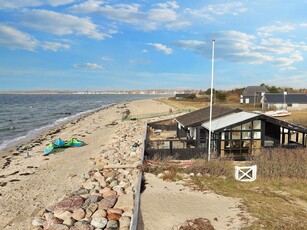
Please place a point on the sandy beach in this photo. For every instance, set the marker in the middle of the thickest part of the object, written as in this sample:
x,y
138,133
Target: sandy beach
x,y
30,184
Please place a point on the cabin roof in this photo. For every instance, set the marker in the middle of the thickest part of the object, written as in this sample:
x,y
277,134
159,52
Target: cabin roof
x,y
298,98
251,90
202,115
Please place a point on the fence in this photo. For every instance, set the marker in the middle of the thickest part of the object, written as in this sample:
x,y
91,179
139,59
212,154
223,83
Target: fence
x,y
246,173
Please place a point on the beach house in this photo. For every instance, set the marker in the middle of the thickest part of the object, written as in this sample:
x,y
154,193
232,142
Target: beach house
x,y
235,133
252,94
284,101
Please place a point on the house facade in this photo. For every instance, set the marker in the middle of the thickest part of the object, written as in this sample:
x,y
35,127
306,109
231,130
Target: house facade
x,y
284,100
253,94
235,133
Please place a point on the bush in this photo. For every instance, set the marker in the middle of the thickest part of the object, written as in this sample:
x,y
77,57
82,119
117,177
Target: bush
x,y
282,163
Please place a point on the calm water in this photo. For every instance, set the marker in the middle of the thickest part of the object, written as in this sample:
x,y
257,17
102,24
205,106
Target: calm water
x,y
24,116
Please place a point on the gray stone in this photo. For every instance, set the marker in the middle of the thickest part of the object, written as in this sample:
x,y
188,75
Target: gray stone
x,y
38,221
58,227
113,224
82,227
69,222
80,191
63,215
99,222
91,199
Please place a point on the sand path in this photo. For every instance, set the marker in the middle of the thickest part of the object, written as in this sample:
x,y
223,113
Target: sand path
x,y
168,204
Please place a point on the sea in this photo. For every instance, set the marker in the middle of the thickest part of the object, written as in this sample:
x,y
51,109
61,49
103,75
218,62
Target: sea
x,y
24,116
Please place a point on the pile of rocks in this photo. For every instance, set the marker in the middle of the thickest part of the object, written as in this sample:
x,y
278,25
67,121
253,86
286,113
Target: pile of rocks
x,y
106,198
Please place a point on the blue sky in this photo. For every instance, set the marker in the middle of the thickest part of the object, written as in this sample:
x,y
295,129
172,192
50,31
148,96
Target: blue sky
x,y
138,44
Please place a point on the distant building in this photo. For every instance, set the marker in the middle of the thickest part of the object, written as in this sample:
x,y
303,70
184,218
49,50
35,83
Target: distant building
x,y
284,101
253,94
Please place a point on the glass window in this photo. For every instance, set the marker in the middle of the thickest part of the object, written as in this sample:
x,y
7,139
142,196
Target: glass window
x,y
247,126
257,135
257,124
236,135
237,128
246,135
223,136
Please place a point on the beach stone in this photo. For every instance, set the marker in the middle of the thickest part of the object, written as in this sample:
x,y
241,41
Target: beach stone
x,y
69,222
91,199
107,202
58,227
99,222
69,204
112,224
82,227
50,221
84,221
88,185
124,221
63,215
37,228
125,202
114,210
78,214
99,213
79,192
113,183
107,192
113,216
38,221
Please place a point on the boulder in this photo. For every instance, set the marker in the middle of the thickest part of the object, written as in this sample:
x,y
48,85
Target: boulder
x,y
69,204
78,214
107,202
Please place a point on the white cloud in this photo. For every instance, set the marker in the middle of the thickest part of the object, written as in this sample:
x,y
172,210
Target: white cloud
x,y
54,46
61,24
88,66
145,51
208,12
107,59
235,46
161,47
15,4
267,31
162,15
139,61
12,38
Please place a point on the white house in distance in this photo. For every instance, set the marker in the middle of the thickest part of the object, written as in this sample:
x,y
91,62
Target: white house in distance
x,y
253,94
284,100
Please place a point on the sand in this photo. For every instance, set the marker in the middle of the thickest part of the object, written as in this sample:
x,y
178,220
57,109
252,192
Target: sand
x,y
29,184
166,205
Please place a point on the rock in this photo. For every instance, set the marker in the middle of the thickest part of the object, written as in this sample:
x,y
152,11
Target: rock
x,y
88,185
99,213
112,224
78,214
107,202
192,174
69,222
114,210
38,221
58,227
113,183
199,174
160,175
69,204
92,207
125,202
50,221
114,216
79,192
124,221
200,223
108,192
84,221
99,222
91,199
63,215
82,227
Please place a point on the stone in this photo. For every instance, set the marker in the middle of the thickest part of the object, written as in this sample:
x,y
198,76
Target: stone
x,y
160,175
38,221
114,210
107,202
114,216
99,213
84,221
78,214
125,202
50,221
124,221
79,192
92,207
88,184
91,199
112,224
82,227
69,222
69,204
58,227
107,192
113,183
63,215
99,222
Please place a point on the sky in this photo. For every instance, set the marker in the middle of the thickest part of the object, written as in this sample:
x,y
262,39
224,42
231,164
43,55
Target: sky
x,y
138,44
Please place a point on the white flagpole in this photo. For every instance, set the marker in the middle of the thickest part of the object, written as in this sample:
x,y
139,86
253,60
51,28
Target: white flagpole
x,y
211,96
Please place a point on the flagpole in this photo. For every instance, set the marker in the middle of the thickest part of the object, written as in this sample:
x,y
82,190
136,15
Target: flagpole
x,y
211,96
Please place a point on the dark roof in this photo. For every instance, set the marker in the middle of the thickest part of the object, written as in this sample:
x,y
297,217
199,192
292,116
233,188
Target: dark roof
x,y
182,94
251,90
202,115
299,98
